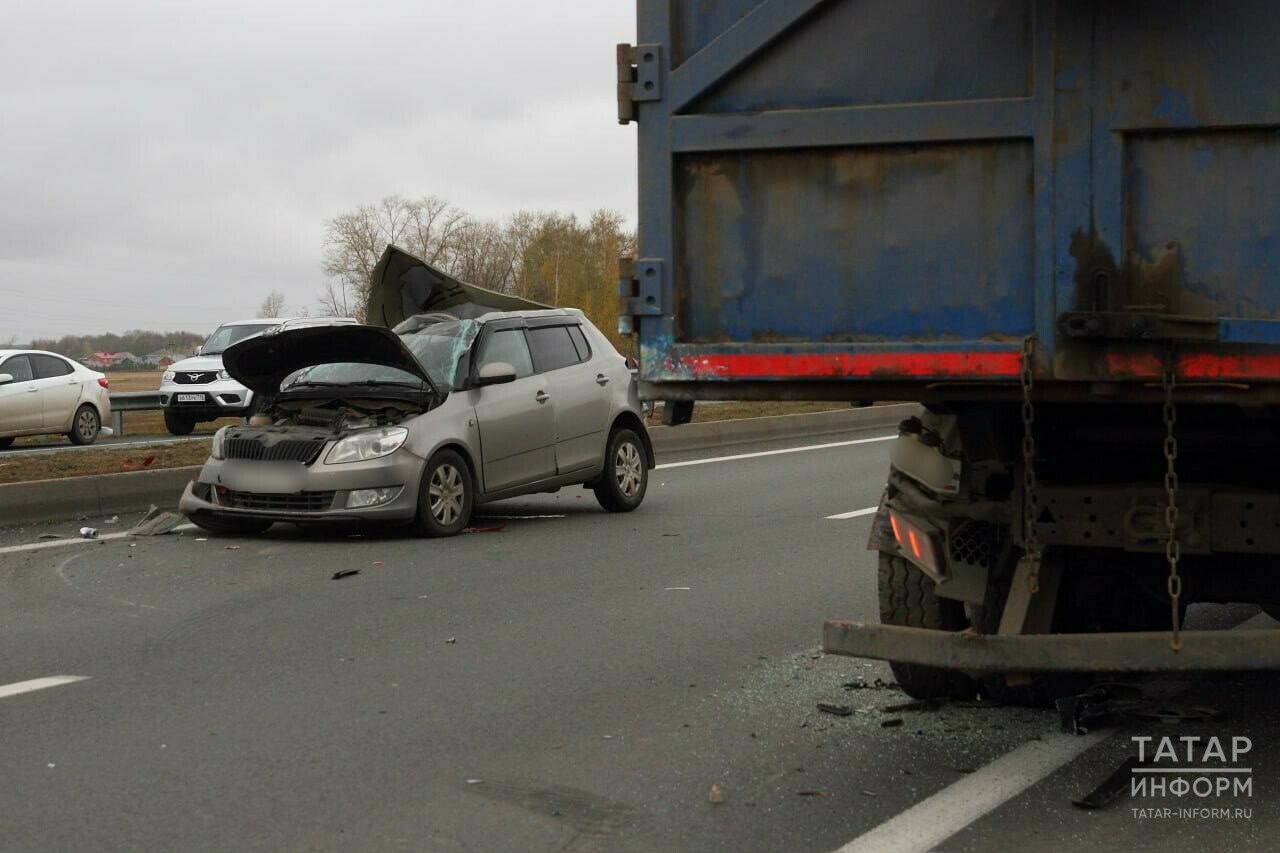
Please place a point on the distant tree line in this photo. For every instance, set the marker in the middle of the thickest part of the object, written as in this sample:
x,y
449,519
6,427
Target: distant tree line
x,y
138,341
545,256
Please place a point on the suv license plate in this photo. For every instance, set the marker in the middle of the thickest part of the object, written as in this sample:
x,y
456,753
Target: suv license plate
x,y
190,398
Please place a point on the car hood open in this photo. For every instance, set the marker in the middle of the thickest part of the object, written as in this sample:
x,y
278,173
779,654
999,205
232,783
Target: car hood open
x,y
261,363
402,286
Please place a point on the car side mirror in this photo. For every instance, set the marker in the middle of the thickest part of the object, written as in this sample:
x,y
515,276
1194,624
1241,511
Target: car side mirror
x,y
496,373
6,378
199,349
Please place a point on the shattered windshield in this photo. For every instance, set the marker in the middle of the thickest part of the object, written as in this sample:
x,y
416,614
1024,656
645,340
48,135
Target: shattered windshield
x,y
351,373
440,348
225,336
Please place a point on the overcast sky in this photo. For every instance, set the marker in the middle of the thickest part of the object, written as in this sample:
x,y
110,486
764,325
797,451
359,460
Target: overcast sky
x,y
165,165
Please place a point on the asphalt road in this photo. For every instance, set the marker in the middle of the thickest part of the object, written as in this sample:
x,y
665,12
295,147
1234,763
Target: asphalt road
x,y
574,680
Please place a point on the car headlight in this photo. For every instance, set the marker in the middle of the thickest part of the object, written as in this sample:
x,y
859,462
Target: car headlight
x,y
167,376
218,437
223,375
367,445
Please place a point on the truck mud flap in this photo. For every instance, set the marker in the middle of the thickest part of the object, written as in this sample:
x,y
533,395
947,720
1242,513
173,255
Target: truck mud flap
x,y
1145,651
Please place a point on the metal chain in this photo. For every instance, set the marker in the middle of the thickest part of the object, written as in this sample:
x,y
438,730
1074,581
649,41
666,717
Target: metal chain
x,y
1030,498
1172,548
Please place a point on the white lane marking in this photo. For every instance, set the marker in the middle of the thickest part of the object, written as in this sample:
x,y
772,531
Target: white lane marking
x,y
737,456
18,687
935,819
857,513
76,540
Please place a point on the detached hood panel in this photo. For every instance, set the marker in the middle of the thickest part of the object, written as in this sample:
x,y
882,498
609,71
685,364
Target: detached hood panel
x,y
402,286
261,362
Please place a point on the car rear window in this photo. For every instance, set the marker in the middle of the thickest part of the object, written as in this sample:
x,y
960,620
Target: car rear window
x,y
48,366
18,367
580,341
552,348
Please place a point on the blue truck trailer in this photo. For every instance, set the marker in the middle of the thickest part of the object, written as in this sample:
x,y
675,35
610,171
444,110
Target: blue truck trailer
x,y
1053,223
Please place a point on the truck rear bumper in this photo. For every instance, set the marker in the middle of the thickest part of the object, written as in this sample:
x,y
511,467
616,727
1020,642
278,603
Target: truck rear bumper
x,y
1146,651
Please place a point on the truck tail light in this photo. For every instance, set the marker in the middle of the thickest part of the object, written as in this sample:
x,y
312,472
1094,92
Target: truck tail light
x,y
918,545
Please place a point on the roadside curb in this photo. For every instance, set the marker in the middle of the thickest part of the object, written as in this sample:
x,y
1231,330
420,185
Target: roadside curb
x,y
113,494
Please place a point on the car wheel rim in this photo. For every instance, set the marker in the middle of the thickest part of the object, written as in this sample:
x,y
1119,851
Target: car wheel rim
x,y
87,426
446,494
628,468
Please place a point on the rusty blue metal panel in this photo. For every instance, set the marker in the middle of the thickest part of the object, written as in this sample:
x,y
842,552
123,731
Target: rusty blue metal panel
x,y
890,174
918,243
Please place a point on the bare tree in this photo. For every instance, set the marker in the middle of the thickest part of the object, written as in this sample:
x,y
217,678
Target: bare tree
x,y
426,227
273,305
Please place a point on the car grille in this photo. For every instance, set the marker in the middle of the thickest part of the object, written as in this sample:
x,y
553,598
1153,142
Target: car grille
x,y
299,502
291,450
193,378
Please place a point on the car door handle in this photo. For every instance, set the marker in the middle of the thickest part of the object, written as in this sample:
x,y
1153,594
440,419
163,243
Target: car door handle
x,y
32,390
542,396
601,379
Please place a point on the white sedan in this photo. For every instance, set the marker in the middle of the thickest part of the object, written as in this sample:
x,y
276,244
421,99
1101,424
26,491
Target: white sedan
x,y
42,393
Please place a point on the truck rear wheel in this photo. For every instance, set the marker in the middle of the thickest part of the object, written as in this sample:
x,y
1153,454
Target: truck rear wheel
x,y
907,598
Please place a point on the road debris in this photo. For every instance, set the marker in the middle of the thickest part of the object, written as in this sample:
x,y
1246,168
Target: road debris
x,y
837,710
156,523
922,705
345,573
231,547
716,795
812,794
1110,789
51,536
878,684
494,528
115,519
452,640
88,533
891,724
677,589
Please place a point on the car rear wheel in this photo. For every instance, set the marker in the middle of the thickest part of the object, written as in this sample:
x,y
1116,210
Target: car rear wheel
x,y
226,524
446,496
625,477
6,443
178,424
85,426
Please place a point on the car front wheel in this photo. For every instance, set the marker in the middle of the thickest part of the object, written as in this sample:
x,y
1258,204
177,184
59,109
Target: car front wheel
x,y
446,496
85,426
625,478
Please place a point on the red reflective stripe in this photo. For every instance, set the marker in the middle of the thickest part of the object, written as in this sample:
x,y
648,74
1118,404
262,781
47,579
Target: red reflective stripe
x,y
868,365
1149,365
1197,366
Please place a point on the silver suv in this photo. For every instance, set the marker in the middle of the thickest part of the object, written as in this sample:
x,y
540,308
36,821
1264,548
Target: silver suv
x,y
199,389
421,423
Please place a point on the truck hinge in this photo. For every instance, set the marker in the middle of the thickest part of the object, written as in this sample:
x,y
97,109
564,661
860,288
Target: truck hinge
x,y
640,286
639,78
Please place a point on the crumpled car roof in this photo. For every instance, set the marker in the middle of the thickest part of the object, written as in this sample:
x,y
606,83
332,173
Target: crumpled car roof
x,y
402,286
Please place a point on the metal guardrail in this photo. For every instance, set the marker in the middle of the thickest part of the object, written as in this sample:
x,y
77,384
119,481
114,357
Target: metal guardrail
x,y
132,401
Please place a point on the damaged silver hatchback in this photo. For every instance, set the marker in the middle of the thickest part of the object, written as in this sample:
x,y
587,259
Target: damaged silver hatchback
x,y
421,423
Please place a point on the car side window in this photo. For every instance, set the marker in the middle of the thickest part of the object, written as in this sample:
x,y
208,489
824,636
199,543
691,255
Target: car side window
x,y
508,345
580,341
19,367
48,366
552,348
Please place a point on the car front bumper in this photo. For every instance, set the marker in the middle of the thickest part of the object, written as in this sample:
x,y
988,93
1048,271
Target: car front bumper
x,y
224,398
237,488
